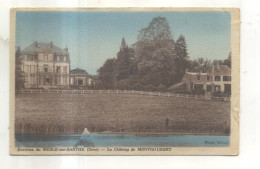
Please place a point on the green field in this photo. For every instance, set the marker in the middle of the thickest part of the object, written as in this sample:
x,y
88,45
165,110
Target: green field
x,y
129,113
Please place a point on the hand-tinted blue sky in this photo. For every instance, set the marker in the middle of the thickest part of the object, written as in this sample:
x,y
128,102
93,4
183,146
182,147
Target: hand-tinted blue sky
x,y
93,37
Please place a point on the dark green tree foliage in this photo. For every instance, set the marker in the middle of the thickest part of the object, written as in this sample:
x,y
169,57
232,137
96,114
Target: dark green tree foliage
x,y
123,45
200,65
106,74
181,57
218,62
124,62
157,31
224,62
117,73
154,62
205,65
154,54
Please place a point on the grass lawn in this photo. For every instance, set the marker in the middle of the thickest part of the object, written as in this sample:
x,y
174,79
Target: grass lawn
x,y
71,113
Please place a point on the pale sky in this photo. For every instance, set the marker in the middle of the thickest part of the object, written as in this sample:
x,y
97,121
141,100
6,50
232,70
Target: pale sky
x,y
93,37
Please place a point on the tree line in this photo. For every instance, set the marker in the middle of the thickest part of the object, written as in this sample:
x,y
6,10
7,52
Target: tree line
x,y
154,62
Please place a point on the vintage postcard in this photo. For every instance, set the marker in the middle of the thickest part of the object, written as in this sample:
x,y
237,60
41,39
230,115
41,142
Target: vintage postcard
x,y
124,81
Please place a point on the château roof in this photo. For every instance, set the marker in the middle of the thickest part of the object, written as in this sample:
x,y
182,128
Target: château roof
x,y
44,47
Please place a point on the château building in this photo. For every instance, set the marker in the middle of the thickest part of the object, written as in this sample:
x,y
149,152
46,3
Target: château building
x,y
45,66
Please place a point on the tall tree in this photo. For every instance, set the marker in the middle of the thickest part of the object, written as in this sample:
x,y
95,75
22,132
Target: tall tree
x,y
124,61
181,57
158,30
123,44
154,49
106,74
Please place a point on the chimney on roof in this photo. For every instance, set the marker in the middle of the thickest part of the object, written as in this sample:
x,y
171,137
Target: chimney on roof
x,y
51,44
36,44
